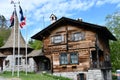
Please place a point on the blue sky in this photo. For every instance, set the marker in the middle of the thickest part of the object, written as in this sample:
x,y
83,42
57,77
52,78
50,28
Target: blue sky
x,y
39,11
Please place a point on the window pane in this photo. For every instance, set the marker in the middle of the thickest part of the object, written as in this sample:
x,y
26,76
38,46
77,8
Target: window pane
x,y
63,58
57,39
78,36
16,61
74,58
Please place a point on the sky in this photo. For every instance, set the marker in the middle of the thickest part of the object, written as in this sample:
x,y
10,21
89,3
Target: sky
x,y
38,12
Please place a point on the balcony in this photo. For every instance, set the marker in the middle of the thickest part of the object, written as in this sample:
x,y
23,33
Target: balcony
x,y
101,65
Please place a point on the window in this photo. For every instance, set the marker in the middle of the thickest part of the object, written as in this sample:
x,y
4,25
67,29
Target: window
x,y
57,39
16,61
27,61
63,58
73,58
7,62
78,36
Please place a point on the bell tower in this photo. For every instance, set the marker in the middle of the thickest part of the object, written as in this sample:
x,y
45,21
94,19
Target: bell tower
x,y
53,18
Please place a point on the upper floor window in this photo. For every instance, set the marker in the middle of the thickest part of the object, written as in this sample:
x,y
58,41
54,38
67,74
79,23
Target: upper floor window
x,y
57,39
63,58
73,58
78,36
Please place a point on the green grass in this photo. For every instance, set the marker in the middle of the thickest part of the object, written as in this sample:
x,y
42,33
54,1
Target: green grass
x,y
33,76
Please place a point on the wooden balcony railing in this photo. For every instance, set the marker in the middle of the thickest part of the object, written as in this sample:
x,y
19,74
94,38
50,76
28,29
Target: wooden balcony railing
x,y
102,65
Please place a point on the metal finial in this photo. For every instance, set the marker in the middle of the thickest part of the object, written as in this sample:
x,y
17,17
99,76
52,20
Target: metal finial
x,y
12,2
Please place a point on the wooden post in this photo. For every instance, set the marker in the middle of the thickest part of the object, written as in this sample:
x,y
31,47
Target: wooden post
x,y
67,38
97,51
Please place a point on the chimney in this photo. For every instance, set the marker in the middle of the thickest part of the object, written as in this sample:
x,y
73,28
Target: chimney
x,y
80,19
53,18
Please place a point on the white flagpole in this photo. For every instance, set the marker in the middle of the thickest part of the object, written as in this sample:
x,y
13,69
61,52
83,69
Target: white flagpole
x,y
26,46
18,72
18,50
13,66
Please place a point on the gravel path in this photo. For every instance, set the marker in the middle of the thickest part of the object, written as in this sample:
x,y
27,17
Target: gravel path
x,y
1,78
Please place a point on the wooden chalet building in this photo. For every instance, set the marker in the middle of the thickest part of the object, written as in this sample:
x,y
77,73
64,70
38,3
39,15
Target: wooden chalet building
x,y
76,49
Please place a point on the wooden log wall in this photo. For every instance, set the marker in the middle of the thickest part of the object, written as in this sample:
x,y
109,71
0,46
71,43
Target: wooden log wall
x,y
83,49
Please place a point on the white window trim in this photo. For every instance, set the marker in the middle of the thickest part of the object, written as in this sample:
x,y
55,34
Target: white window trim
x,y
55,42
82,36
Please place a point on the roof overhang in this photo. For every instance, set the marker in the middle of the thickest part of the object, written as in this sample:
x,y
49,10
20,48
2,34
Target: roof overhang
x,y
66,21
35,53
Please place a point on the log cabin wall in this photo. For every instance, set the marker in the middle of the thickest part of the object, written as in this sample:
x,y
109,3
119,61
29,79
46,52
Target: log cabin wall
x,y
78,48
81,47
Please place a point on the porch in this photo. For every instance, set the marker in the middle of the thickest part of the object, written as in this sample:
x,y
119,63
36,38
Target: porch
x,y
42,63
99,60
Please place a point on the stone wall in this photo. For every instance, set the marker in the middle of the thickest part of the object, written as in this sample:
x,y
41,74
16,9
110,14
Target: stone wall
x,y
8,64
72,75
95,74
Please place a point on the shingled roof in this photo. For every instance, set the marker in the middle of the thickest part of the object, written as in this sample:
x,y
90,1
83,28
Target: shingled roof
x,y
10,41
35,53
2,55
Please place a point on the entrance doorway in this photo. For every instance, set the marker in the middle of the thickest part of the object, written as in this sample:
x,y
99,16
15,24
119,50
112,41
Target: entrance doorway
x,y
43,63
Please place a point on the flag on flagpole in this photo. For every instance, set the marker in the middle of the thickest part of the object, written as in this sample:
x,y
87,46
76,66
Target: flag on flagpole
x,y
12,20
22,19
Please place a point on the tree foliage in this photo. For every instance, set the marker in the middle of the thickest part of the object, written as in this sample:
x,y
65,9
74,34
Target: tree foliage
x,y
4,30
3,21
1,41
35,44
113,24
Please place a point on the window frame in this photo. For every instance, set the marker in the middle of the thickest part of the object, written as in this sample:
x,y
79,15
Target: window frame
x,y
78,36
16,61
75,58
69,59
57,39
65,59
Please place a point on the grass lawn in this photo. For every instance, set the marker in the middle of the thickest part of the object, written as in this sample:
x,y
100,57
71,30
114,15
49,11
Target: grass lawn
x,y
33,76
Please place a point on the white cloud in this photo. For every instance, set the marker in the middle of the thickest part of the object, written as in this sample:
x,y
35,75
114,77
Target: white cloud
x,y
102,2
36,9
39,8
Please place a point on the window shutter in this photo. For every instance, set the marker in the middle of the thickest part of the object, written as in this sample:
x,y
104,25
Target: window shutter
x,y
83,35
52,39
72,37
